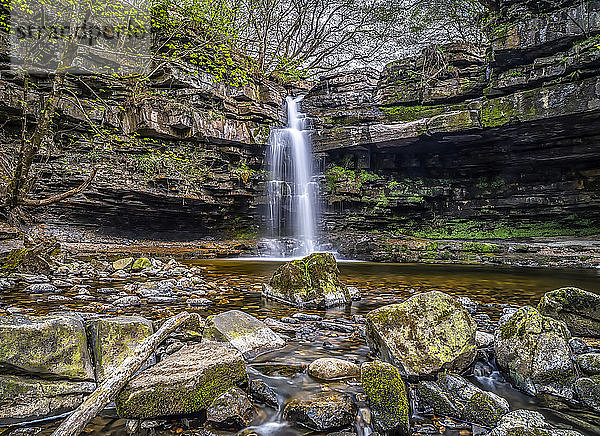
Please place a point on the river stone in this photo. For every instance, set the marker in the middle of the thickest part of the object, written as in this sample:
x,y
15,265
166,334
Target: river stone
x,y
28,398
53,345
453,396
246,333
588,391
527,423
589,363
231,410
322,411
424,334
387,397
41,288
578,309
309,282
329,368
140,264
534,352
115,339
183,383
129,301
123,264
263,393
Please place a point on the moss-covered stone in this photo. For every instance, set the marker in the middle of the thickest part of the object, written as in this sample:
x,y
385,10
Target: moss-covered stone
x,y
527,423
54,345
589,363
453,396
387,397
123,264
186,382
426,333
140,264
243,331
322,412
114,339
29,398
533,351
578,309
309,282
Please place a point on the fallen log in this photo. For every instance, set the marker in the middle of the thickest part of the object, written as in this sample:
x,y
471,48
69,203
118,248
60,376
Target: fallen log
x,y
109,388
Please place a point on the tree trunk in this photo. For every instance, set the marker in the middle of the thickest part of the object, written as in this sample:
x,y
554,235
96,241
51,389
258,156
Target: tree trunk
x,y
109,388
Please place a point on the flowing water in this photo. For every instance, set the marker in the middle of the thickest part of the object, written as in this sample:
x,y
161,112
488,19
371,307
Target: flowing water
x,y
292,190
235,284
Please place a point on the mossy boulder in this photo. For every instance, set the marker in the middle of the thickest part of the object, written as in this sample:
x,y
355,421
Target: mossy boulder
x,y
527,423
123,264
453,396
309,282
243,331
231,410
387,397
323,411
588,391
48,346
28,398
533,350
186,382
114,339
426,333
140,264
578,309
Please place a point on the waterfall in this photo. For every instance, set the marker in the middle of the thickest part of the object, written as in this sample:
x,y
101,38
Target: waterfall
x,y
292,190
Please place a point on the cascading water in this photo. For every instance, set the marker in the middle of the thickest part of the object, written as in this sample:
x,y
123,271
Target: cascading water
x,y
292,190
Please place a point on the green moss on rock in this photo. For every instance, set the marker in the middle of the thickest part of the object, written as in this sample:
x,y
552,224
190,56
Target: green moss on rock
x,y
387,397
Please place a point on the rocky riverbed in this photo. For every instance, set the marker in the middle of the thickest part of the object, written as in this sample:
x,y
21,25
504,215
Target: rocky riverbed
x,y
429,363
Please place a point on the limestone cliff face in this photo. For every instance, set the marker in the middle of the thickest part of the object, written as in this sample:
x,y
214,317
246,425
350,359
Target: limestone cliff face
x,y
181,152
464,142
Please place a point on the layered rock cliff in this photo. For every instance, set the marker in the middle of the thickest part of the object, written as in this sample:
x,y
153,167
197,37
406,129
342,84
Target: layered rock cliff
x,y
467,143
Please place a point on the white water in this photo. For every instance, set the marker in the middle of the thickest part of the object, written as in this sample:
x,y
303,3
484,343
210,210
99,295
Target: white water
x,y
292,189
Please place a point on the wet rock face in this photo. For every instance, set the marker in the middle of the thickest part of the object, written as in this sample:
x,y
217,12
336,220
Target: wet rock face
x,y
115,339
387,397
453,396
232,409
309,282
243,331
534,352
578,309
53,346
23,398
527,423
426,333
322,412
185,382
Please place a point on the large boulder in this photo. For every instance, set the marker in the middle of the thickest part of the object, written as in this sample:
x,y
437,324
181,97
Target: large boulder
x,y
185,382
426,333
453,396
578,309
27,398
52,346
533,350
246,333
115,339
387,397
309,282
322,412
527,423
